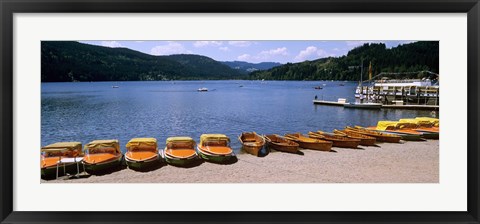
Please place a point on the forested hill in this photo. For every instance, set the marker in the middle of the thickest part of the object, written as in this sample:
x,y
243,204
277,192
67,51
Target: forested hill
x,y
411,57
66,61
246,67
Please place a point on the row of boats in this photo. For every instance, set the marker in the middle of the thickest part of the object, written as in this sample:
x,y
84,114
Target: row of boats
x,y
142,153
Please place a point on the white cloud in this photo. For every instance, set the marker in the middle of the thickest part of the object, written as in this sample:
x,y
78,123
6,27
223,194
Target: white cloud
x,y
278,51
207,43
224,49
244,57
111,44
306,54
311,53
240,43
170,48
264,55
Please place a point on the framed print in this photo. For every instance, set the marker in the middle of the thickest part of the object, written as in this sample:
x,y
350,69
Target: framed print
x,y
266,112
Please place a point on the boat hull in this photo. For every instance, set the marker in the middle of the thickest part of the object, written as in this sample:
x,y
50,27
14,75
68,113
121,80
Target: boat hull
x,y
280,144
321,146
254,150
51,172
215,158
377,136
364,140
102,166
142,164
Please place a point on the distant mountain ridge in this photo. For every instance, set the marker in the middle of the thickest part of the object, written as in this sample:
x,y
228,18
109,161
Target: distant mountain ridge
x,y
67,61
246,67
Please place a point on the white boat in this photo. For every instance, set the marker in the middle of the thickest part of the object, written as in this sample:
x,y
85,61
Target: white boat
x,y
202,89
375,106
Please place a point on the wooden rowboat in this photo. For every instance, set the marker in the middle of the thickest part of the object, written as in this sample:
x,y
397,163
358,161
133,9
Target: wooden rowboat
x,y
280,143
309,143
338,141
364,139
381,137
251,142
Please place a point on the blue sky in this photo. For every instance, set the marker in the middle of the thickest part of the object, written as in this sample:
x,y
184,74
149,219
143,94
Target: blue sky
x,y
250,51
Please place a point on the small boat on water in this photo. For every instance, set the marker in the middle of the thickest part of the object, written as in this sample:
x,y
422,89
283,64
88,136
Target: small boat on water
x,y
373,106
142,153
252,142
115,87
280,143
318,87
309,143
365,140
381,137
215,148
202,89
338,141
180,151
101,155
52,155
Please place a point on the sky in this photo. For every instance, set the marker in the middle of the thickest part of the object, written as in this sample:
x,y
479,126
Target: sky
x,y
249,51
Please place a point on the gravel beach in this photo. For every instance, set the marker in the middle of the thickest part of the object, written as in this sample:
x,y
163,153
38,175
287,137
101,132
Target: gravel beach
x,y
409,162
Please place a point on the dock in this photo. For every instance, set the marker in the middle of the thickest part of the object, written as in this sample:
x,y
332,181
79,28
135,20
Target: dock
x,y
392,106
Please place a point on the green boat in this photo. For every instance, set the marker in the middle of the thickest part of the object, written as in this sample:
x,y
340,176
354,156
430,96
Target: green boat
x,y
142,153
59,159
102,155
180,151
215,148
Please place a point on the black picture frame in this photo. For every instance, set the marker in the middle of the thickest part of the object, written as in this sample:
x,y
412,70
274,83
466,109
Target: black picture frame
x,y
9,7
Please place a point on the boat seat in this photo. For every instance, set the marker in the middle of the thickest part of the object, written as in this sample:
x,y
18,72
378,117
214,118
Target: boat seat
x,y
99,158
180,153
140,155
219,150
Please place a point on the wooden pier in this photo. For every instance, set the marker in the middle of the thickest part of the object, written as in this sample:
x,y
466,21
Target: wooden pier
x,y
393,106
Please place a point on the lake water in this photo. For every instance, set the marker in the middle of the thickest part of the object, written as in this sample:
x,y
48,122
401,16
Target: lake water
x,y
86,111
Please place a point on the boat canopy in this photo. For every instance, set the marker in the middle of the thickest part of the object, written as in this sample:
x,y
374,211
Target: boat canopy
x,y
386,125
434,121
62,146
98,144
179,139
213,137
415,121
139,142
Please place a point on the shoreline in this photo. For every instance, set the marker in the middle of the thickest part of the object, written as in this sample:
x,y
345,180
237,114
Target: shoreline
x,y
408,162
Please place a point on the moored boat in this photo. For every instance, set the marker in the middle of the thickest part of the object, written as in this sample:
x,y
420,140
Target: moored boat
x,y
180,151
398,128
101,155
252,142
364,139
215,148
424,126
381,137
280,143
309,143
338,141
142,153
51,155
